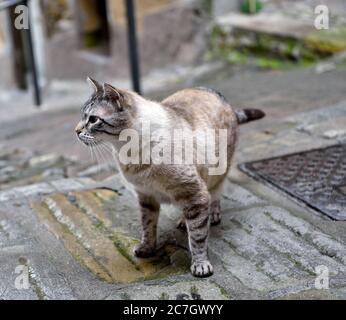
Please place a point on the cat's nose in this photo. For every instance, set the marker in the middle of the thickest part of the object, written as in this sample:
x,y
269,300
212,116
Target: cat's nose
x,y
79,128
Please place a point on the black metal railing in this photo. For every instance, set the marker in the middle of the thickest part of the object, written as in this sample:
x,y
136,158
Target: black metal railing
x,y
132,41
30,55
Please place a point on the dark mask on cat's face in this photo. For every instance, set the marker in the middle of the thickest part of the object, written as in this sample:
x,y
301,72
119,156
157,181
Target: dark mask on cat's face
x,y
104,115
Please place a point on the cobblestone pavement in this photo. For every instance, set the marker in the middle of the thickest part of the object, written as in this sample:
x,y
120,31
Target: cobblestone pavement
x,y
75,234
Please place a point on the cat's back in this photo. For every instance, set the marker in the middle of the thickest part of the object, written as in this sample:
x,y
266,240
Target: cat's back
x,y
200,107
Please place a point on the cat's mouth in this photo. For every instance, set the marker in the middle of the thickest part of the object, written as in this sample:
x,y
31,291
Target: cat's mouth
x,y
88,139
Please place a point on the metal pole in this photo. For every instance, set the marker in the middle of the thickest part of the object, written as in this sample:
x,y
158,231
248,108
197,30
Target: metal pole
x,y
132,44
32,63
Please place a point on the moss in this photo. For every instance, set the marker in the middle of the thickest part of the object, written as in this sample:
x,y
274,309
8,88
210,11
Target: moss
x,y
218,40
236,57
270,63
263,60
261,50
327,42
123,250
38,290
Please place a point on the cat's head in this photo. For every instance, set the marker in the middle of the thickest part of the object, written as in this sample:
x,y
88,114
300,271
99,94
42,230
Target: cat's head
x,y
107,112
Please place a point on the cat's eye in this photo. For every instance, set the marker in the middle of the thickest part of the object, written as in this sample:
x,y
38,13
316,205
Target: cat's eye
x,y
93,119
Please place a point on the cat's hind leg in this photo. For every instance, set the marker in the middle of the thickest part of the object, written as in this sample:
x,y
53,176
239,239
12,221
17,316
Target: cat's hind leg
x,y
215,207
215,215
150,210
215,212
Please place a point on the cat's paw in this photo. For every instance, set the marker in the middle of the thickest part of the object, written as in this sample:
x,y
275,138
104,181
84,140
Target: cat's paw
x,y
181,224
202,269
144,251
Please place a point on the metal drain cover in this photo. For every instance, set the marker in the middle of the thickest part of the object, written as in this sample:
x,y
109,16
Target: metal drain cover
x,y
316,177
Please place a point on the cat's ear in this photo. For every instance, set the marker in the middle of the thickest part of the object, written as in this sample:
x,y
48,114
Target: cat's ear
x,y
114,93
120,97
96,86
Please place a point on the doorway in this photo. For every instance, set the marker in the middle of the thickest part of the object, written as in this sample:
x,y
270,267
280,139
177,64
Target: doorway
x,y
94,27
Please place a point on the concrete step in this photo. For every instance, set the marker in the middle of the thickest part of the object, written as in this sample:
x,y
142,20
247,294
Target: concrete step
x,y
275,35
76,238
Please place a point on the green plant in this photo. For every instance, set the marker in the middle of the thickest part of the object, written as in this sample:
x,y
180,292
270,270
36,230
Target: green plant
x,y
251,6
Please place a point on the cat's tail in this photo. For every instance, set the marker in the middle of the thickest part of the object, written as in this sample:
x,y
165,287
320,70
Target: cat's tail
x,y
247,115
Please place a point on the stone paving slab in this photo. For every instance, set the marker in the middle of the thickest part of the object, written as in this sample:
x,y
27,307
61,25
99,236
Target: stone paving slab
x,y
265,22
76,235
78,244
81,219
51,244
275,255
21,167
304,131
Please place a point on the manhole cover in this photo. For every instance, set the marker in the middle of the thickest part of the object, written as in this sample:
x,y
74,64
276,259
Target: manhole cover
x,y
316,177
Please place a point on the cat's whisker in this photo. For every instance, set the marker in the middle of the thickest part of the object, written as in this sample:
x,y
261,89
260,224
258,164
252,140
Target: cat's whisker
x,y
102,157
107,152
103,153
97,154
111,150
93,151
108,147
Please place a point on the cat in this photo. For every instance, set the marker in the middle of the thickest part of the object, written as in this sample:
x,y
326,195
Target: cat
x,y
109,111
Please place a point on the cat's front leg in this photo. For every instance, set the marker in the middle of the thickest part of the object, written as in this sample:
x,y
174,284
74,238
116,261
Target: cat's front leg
x,y
197,219
150,210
